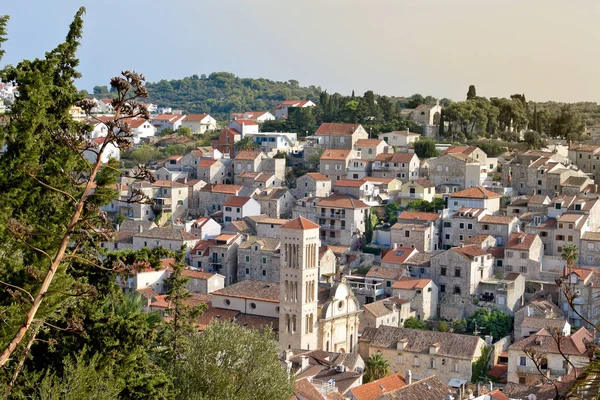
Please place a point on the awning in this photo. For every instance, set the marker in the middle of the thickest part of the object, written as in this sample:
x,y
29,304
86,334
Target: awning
x,y
456,383
383,196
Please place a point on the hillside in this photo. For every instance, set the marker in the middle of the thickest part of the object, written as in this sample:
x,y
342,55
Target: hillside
x,y
222,93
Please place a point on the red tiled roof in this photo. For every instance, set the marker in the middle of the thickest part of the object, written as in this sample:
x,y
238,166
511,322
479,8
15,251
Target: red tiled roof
x,y
236,201
520,241
459,150
398,256
245,122
418,215
350,182
300,223
369,142
341,201
331,128
197,274
476,192
408,283
497,219
207,163
195,117
334,154
372,390
220,188
247,155
471,251
292,103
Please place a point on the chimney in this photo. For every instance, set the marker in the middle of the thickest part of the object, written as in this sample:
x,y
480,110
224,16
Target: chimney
x,y
401,344
394,246
288,355
477,389
140,229
303,362
409,377
118,228
488,340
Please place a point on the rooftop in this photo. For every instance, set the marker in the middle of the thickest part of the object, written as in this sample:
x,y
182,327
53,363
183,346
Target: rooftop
x,y
330,128
250,289
341,201
300,223
476,192
408,283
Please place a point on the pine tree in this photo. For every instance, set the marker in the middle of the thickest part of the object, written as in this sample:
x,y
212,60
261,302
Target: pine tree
x,y
472,93
3,22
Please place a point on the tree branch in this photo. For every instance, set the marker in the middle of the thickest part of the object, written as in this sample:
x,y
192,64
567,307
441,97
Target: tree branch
x,y
18,288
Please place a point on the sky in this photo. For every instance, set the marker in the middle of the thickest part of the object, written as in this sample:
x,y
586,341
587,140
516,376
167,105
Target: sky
x,y
547,49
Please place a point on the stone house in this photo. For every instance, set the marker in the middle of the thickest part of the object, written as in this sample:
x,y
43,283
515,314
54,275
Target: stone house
x,y
589,249
530,318
203,282
505,294
422,294
462,226
422,237
313,184
448,172
226,140
392,311
359,168
255,162
397,257
389,188
334,163
283,108
543,226
370,148
401,165
522,370
475,197
213,171
587,158
426,114
222,256
276,202
574,185
341,217
416,189
585,283
385,277
340,136
421,353
376,389
259,259
212,197
171,239
457,273
327,264
236,208
205,228
528,204
499,226
399,138
524,253
358,188
264,226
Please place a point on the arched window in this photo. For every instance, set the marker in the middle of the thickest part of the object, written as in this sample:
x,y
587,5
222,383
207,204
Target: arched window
x,y
293,323
287,323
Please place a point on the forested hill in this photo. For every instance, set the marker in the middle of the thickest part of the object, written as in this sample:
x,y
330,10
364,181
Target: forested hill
x,y
221,93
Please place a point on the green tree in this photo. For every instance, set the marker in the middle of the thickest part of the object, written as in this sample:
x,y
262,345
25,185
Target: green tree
x,y
459,325
425,148
391,212
185,131
144,154
472,93
415,100
509,136
376,367
570,255
370,224
479,367
228,361
3,21
244,144
426,206
413,323
533,139
490,322
444,326
100,90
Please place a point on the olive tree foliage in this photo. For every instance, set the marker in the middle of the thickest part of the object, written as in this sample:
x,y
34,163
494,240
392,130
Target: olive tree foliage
x,y
50,194
228,361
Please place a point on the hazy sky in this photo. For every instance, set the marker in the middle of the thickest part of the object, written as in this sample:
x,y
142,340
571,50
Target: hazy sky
x,y
547,49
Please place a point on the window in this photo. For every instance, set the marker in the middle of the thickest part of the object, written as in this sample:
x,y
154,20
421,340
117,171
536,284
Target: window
x,y
447,236
253,305
227,302
432,363
558,206
509,254
570,238
442,288
508,268
590,259
264,260
457,290
539,182
523,361
461,225
264,272
469,226
523,255
406,233
388,283
399,360
416,361
559,249
457,273
498,263
560,226
522,380
524,270
447,224
455,367
227,208
247,258
443,271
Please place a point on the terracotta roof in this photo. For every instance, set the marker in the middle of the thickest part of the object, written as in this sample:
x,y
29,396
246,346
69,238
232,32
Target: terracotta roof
x,y
195,117
335,154
477,239
249,289
305,390
459,150
398,256
403,157
170,118
300,223
467,212
586,148
496,394
575,181
582,273
520,241
195,274
567,217
408,283
471,251
217,188
247,155
245,121
379,308
385,273
317,176
543,323
236,201
372,390
498,219
378,179
266,244
341,201
476,192
418,215
163,183
207,163
543,392
212,313
239,227
430,388
544,343
331,128
421,181
368,142
350,182
225,237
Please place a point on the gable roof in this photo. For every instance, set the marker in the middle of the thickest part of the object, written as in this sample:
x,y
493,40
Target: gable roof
x,y
520,241
544,343
419,341
195,117
398,256
332,128
341,201
250,289
372,390
350,182
470,251
236,201
475,192
369,142
385,272
317,176
247,155
292,103
408,283
459,150
430,388
336,154
300,223
222,188
418,215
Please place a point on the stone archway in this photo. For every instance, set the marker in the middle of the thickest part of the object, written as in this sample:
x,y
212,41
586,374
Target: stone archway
x,y
436,118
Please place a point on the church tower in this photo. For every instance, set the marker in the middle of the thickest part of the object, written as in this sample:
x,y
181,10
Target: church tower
x,y
299,281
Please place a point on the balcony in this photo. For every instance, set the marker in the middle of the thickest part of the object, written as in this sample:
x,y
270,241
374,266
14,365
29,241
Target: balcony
x,y
162,205
329,227
333,215
410,195
526,369
359,286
